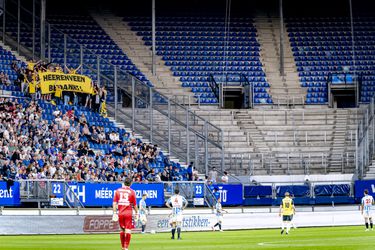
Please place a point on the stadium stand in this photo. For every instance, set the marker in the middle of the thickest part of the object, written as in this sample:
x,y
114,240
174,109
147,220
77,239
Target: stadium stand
x,y
70,142
322,141
7,74
322,46
198,48
141,55
98,47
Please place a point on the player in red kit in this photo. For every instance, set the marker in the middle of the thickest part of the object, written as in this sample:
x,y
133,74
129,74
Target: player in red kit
x,y
124,201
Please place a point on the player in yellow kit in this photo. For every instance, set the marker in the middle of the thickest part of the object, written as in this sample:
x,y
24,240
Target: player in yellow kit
x,y
287,210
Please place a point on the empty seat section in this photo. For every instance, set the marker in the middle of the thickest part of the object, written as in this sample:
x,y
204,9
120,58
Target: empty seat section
x,y
324,45
197,47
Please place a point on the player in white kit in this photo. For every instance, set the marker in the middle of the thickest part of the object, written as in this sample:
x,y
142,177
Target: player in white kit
x,y
178,203
143,212
219,215
366,205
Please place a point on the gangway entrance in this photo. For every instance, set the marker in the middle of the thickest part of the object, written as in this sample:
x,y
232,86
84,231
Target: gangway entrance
x,y
232,91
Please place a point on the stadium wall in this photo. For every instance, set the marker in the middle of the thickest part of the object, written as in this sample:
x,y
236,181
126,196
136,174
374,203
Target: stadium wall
x,y
202,221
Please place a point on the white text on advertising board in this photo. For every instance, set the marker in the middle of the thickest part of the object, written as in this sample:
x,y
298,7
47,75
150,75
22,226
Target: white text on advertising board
x,y
6,194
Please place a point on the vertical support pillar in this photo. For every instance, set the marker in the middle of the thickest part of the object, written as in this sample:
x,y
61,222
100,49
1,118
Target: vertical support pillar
x,y
42,29
153,38
187,137
372,126
81,60
4,19
49,43
133,103
169,126
65,50
98,71
281,38
222,150
18,25
115,89
196,154
206,147
151,116
356,151
367,151
33,30
353,40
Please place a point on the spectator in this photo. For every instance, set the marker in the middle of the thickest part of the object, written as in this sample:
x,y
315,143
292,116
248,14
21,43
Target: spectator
x,y
225,177
195,174
212,175
190,171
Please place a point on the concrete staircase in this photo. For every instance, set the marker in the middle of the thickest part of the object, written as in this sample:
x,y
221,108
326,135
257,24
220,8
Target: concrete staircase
x,y
285,89
247,124
370,174
302,141
141,55
339,141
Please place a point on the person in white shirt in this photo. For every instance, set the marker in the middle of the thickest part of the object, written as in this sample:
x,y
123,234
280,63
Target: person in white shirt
x,y
225,177
366,206
219,215
177,203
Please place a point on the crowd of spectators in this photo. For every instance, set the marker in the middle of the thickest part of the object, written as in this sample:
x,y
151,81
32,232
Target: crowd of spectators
x,y
28,81
33,148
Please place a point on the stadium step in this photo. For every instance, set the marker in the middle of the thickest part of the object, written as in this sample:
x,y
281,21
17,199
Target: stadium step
x,y
285,90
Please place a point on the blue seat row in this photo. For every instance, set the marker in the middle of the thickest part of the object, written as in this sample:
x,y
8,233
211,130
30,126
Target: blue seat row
x,y
194,49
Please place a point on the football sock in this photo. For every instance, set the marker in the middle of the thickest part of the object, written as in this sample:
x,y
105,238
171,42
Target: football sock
x,y
122,238
127,240
143,228
216,224
366,225
173,231
371,224
287,227
282,226
178,232
219,225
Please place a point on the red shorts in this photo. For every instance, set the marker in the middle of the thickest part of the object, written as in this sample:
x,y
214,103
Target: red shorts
x,y
126,221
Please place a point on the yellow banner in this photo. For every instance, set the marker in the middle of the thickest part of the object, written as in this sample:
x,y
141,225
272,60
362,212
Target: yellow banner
x,y
49,81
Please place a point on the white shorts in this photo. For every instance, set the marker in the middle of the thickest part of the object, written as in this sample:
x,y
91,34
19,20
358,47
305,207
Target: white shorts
x,y
367,215
143,218
219,218
176,218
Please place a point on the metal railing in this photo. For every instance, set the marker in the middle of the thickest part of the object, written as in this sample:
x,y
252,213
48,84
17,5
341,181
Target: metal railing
x,y
305,116
311,184
218,83
190,189
287,163
365,139
44,190
215,88
289,101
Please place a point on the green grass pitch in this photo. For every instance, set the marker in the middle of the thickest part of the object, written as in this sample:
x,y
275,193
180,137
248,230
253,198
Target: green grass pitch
x,y
343,238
